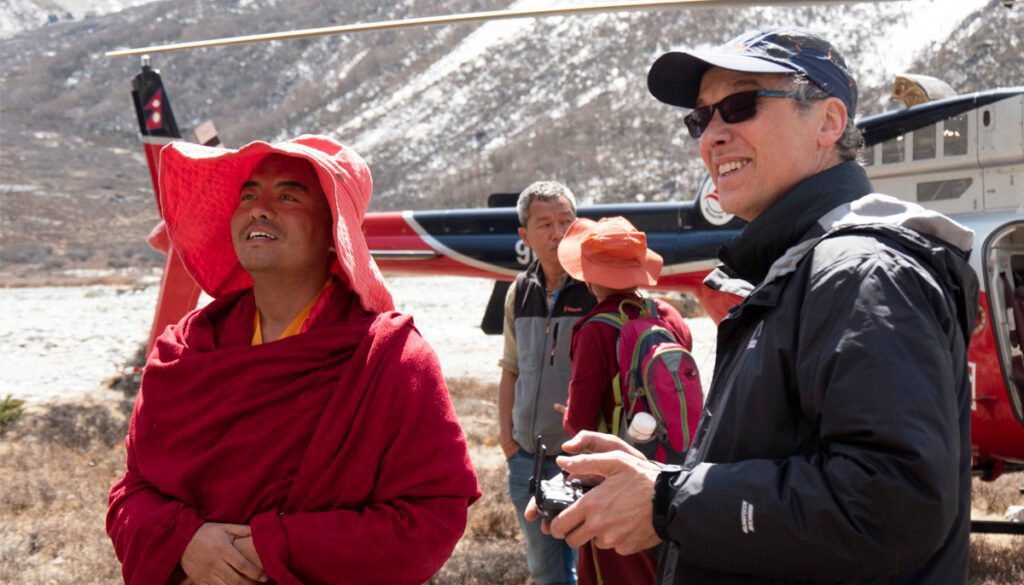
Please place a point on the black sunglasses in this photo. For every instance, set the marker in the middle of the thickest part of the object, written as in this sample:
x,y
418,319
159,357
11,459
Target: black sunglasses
x,y
735,108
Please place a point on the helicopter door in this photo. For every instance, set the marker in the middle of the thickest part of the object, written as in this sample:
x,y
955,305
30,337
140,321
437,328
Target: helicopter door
x,y
1015,320
1004,254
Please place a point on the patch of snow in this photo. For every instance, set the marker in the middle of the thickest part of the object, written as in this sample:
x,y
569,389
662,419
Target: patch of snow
x,y
334,105
585,97
478,45
20,15
1015,514
907,39
58,341
64,341
17,188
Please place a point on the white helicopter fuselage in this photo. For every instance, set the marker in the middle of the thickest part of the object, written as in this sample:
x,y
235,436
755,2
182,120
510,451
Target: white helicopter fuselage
x,y
970,166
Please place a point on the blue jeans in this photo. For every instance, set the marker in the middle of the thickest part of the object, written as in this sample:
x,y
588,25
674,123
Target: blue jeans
x,y
551,561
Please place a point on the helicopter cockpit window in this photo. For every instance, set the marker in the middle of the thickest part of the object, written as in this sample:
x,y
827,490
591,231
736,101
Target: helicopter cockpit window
x,y
942,190
954,136
892,150
867,156
924,143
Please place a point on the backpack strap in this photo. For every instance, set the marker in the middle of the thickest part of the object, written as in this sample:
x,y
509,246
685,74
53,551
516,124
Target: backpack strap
x,y
616,321
644,310
652,307
617,412
612,319
597,565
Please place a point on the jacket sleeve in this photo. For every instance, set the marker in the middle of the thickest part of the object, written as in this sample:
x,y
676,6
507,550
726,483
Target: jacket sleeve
x,y
149,529
876,370
418,507
592,375
676,323
510,350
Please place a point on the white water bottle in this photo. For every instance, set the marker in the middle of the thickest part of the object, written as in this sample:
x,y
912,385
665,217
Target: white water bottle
x,y
642,427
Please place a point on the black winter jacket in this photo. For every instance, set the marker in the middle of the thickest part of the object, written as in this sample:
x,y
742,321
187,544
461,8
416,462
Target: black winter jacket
x,y
835,442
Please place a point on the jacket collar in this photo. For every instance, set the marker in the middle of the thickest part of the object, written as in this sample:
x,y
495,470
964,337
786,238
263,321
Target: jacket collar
x,y
787,221
535,272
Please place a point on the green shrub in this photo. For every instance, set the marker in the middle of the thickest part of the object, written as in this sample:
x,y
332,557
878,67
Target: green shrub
x,y
11,411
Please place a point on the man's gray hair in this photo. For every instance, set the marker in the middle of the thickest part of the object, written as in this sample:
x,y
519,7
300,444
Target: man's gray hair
x,y
542,191
805,92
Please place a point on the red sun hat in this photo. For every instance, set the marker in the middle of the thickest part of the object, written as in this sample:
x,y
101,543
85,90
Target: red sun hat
x,y
199,189
611,253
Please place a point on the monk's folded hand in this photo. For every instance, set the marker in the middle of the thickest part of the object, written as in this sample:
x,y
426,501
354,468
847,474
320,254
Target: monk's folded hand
x,y
211,556
248,549
617,513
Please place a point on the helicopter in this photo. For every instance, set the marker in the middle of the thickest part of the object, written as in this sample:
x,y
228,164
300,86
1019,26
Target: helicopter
x,y
961,155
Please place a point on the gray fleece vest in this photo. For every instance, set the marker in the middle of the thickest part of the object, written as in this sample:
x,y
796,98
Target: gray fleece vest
x,y
543,336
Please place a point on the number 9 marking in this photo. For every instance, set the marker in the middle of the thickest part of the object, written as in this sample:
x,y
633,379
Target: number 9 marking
x,y
524,255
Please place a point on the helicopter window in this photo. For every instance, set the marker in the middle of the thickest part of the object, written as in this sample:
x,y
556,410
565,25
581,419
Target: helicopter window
x,y
892,150
942,190
867,156
924,143
954,136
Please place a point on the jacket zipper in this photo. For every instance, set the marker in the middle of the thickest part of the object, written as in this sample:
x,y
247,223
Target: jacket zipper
x,y
554,345
540,375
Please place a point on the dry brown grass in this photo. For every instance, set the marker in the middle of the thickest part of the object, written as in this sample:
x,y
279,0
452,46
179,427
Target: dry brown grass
x,y
57,465
492,550
687,305
476,404
990,499
996,559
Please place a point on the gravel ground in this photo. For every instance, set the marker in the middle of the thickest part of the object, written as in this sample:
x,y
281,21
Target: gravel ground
x,y
61,342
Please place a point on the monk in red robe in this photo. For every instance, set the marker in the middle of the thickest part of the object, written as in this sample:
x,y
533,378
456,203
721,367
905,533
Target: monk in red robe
x,y
296,429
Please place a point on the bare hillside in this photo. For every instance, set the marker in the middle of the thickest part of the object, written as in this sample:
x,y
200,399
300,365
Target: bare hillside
x,y
445,115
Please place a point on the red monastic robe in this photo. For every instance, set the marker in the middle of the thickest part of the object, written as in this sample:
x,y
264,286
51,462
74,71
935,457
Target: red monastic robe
x,y
339,447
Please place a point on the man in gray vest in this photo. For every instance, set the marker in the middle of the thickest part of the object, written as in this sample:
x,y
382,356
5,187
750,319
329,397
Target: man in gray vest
x,y
540,310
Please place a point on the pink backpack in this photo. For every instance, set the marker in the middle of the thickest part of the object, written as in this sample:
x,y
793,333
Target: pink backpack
x,y
661,379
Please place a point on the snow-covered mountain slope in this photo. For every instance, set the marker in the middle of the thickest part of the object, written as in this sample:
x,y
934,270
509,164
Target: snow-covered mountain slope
x,y
21,15
446,114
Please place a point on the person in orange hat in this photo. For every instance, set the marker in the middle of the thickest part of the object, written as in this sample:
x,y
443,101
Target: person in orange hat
x,y
296,429
611,256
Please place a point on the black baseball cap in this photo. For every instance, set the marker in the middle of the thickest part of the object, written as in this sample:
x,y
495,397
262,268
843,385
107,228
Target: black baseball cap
x,y
675,77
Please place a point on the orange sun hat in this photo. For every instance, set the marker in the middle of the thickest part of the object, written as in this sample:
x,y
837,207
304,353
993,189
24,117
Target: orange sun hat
x,y
611,253
199,192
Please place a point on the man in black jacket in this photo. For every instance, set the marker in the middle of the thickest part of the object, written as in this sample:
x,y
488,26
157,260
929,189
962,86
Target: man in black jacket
x,y
835,442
